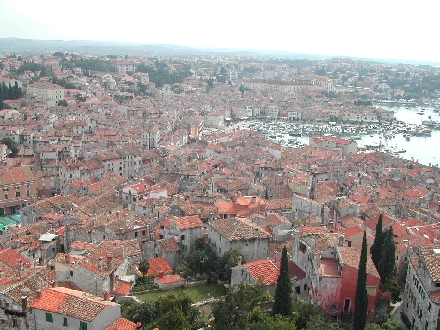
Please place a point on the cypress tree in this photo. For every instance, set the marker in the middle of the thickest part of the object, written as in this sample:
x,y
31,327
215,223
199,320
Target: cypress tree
x,y
361,298
387,262
376,248
283,293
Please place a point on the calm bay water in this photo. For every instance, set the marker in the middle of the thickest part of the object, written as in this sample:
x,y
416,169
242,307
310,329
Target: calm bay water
x,y
424,149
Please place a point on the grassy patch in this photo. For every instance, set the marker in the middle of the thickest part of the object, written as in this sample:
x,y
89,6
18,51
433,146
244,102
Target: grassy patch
x,y
196,293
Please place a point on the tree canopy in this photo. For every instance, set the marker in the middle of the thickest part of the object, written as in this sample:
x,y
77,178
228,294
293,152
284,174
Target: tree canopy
x,y
361,297
283,292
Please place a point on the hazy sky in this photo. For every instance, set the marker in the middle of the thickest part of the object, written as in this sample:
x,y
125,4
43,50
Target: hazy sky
x,y
375,28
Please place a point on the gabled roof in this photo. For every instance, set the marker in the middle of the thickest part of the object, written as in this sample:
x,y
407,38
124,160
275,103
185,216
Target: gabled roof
x,y
192,221
351,256
13,258
167,279
123,324
158,265
73,303
234,229
264,271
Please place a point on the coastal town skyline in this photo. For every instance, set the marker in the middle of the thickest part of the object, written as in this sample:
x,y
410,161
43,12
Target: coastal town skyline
x,y
375,31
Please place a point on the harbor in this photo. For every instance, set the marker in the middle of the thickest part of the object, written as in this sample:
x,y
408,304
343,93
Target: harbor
x,y
413,134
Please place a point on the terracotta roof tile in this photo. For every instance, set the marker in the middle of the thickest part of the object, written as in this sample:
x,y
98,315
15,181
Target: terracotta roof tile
x,y
123,324
351,256
167,279
158,265
73,303
264,271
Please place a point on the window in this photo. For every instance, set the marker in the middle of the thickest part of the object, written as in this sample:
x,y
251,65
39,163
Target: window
x,y
17,194
49,317
6,196
302,247
17,188
65,322
28,192
71,273
82,325
182,237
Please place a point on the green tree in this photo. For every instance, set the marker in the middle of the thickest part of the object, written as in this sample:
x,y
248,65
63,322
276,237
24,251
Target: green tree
x,y
303,312
176,312
321,322
232,312
144,266
361,298
226,262
145,313
11,146
376,248
62,103
387,262
257,320
283,292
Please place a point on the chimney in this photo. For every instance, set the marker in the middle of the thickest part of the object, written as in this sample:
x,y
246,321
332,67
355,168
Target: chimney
x,y
20,266
239,261
126,216
254,199
161,275
95,220
123,251
39,295
341,240
118,214
106,295
24,303
110,264
100,263
53,284
67,257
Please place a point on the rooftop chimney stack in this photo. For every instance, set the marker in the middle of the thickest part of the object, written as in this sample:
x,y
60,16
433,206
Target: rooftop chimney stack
x,y
100,263
110,263
239,261
24,303
106,295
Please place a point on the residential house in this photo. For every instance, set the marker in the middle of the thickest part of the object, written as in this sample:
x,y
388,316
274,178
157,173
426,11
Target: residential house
x,y
346,147
18,188
421,297
184,230
331,272
98,269
61,308
264,272
239,234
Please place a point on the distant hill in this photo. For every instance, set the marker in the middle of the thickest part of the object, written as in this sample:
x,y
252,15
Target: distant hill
x,y
87,47
38,47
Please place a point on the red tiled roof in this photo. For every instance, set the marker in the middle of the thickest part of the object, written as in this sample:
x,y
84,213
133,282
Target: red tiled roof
x,y
351,256
276,219
264,271
122,288
353,231
169,245
226,207
13,257
123,324
192,221
167,279
158,265
73,303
